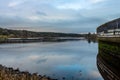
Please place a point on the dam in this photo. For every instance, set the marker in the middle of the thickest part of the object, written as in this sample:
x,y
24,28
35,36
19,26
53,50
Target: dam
x,y
108,58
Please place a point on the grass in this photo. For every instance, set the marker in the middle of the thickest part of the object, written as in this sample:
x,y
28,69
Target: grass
x,y
3,38
110,46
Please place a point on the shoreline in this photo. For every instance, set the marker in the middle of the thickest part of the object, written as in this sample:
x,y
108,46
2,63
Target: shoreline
x,y
8,73
49,39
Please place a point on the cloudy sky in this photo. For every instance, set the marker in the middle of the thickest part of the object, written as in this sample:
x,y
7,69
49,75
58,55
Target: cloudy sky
x,y
76,16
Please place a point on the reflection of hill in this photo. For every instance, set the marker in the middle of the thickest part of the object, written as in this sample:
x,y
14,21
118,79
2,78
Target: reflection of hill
x,y
108,60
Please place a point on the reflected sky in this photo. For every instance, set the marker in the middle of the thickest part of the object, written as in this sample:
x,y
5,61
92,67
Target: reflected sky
x,y
74,60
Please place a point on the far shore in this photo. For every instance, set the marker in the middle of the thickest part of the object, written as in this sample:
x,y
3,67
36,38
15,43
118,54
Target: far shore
x,y
40,39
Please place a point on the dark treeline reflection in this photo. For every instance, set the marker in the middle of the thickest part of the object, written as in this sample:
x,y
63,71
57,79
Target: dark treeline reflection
x,y
108,60
92,41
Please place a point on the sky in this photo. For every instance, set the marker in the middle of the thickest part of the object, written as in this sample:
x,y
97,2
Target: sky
x,y
71,16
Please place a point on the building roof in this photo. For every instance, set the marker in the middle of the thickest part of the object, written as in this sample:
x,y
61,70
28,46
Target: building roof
x,y
114,24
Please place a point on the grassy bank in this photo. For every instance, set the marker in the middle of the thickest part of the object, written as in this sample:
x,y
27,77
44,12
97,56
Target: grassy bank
x,y
3,38
110,47
110,39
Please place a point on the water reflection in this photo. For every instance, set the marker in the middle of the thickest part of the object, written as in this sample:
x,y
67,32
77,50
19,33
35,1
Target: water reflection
x,y
92,40
72,60
108,60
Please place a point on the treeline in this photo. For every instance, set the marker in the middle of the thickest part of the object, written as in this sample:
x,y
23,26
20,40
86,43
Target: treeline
x,y
25,34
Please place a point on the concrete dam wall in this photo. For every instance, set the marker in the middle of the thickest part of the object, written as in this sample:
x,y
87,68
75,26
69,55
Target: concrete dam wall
x,y
108,58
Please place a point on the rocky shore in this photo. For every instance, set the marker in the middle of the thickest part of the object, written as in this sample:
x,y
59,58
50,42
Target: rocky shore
x,y
15,74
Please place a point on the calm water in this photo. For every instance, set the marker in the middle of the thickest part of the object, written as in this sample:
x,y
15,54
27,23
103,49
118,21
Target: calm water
x,y
74,60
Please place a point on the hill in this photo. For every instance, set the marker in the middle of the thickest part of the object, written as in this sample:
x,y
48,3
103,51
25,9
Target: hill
x,y
24,34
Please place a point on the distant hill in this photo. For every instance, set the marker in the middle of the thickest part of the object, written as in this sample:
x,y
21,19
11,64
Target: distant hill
x,y
24,34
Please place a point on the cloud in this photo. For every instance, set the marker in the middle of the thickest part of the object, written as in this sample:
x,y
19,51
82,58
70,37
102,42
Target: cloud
x,y
58,15
70,6
79,4
33,18
41,61
14,4
97,1
41,13
33,57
